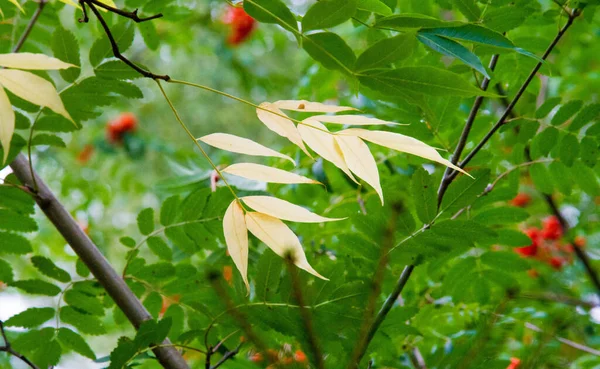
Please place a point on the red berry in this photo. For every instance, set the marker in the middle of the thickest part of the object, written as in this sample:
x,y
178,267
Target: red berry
x,y
256,358
86,154
521,200
514,363
532,249
552,228
116,129
556,262
300,356
580,241
241,25
228,274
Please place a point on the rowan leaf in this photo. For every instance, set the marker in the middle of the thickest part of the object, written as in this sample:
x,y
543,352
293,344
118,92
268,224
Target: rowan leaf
x,y
352,120
75,342
265,173
360,161
277,121
279,238
34,89
48,268
236,238
33,61
385,52
7,122
30,318
310,106
284,210
399,142
328,13
318,138
241,145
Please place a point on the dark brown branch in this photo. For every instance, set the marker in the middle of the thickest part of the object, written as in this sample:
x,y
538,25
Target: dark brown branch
x,y
464,137
515,100
228,355
133,15
115,46
9,350
305,314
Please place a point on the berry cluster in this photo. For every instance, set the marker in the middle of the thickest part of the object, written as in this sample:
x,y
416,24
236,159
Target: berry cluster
x,y
546,244
241,25
117,129
283,357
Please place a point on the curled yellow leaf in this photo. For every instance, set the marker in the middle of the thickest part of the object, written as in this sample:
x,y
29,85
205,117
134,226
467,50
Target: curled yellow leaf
x,y
318,138
277,122
399,142
241,145
284,210
265,173
236,238
360,161
33,62
279,238
310,107
34,89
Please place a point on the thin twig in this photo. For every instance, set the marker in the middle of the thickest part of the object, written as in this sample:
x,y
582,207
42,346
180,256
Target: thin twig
x,y
464,137
567,342
228,355
9,350
511,105
115,46
30,25
305,314
133,15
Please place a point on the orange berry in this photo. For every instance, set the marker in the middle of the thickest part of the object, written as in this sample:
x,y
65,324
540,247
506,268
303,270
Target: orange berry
x,y
256,358
580,241
521,200
300,356
514,363
86,154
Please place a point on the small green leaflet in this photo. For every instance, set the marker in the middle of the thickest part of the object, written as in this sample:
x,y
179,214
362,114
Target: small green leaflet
x,y
328,13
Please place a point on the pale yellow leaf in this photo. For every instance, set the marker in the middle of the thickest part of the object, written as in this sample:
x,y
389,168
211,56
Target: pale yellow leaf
x,y
396,141
310,107
34,89
240,145
70,2
282,209
236,238
32,61
264,173
16,3
109,3
352,120
279,238
275,120
323,143
7,123
360,161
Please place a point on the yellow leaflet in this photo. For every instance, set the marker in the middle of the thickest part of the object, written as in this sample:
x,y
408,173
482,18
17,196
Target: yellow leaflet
x,y
284,210
7,122
360,161
310,107
352,120
241,145
236,238
264,173
32,61
275,120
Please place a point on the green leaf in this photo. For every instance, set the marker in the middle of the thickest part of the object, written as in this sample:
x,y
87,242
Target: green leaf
x,y
385,52
468,8
66,48
153,303
268,275
30,318
6,272
123,34
124,351
374,6
145,221
511,237
451,48
177,316
424,195
590,150
160,248
568,149
43,139
127,242
479,35
16,200
566,111
272,11
547,107
48,354
36,287
149,34
193,205
116,69
501,215
406,21
330,50
463,230
543,142
328,13
505,18
81,269
151,332
423,80
13,221
561,176
55,123
587,114
168,211
464,190
84,302
586,179
49,269
11,243
505,261
88,324
75,342
541,178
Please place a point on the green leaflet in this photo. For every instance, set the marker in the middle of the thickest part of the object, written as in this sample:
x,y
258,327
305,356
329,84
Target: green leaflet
x,y
328,13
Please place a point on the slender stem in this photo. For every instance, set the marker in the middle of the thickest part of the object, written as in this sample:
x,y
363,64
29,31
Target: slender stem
x,y
115,46
30,26
464,137
305,314
131,15
228,355
520,92
9,350
189,133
